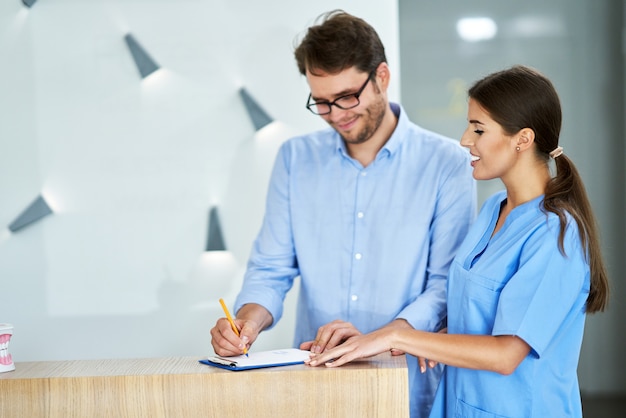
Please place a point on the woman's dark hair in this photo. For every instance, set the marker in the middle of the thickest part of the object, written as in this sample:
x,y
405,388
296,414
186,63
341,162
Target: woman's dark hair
x,y
339,41
521,97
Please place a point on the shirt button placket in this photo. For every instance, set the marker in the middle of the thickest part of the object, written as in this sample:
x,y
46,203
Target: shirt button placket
x,y
359,226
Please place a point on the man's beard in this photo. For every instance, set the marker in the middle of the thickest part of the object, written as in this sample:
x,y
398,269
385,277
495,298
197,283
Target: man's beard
x,y
374,116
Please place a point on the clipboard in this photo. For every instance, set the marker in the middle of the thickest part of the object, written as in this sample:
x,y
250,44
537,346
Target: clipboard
x,y
259,360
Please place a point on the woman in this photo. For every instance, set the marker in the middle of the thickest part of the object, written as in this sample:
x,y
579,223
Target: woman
x,y
526,274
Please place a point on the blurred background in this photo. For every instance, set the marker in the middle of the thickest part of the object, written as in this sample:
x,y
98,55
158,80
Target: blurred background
x,y
123,123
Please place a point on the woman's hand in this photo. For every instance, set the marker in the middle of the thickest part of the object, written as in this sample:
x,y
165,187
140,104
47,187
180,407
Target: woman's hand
x,y
356,347
330,335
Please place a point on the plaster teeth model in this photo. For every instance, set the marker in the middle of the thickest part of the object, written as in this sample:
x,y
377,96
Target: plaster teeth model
x,y
6,361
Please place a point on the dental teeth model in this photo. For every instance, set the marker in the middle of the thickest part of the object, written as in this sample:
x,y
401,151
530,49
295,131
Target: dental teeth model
x,y
6,361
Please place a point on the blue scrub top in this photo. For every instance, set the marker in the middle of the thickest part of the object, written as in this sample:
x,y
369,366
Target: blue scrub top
x,y
518,283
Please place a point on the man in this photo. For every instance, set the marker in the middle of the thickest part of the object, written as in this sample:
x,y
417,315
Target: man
x,y
368,212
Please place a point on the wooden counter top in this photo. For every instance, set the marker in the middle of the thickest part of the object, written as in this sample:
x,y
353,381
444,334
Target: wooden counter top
x,y
182,387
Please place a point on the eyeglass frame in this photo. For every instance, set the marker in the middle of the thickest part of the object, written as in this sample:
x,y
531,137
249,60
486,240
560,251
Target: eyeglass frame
x,y
356,95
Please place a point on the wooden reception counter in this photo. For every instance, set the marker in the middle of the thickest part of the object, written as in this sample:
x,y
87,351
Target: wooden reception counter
x,y
182,387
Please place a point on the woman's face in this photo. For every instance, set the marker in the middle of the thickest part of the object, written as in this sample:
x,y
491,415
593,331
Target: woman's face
x,y
493,151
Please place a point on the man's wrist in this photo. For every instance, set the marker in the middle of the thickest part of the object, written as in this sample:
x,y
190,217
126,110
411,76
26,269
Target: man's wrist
x,y
256,313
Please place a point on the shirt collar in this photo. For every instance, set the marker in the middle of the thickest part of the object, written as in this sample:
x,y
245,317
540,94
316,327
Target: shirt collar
x,y
396,138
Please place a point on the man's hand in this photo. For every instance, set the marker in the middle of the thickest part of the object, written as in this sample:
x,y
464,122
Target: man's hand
x,y
251,320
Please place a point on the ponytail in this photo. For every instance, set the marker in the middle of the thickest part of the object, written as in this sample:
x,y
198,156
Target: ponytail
x,y
566,193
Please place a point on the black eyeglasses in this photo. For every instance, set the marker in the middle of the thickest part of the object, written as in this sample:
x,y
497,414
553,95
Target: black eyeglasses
x,y
324,107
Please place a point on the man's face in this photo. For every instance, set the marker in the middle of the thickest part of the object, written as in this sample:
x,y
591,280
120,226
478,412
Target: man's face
x,y
358,124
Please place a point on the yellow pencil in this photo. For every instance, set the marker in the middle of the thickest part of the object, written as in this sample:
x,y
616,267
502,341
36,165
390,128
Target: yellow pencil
x,y
232,323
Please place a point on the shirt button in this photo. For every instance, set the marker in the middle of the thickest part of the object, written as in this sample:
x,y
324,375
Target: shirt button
x,y
354,298
360,214
363,173
358,256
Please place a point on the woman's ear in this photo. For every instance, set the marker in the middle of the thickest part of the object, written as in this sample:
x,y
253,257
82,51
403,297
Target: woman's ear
x,y
525,138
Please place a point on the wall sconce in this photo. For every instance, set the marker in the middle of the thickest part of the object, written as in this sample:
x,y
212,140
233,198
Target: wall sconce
x,y
29,3
36,210
215,241
259,117
215,268
144,62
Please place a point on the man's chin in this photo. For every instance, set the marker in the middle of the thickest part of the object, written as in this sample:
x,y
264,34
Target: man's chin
x,y
353,141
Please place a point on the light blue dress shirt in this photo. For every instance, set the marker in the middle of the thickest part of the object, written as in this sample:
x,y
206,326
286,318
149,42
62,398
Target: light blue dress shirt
x,y
518,283
370,244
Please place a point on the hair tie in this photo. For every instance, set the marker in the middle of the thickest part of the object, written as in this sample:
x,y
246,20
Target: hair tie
x,y
557,152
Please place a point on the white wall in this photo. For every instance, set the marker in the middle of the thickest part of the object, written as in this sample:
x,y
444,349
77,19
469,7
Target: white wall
x,y
131,167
